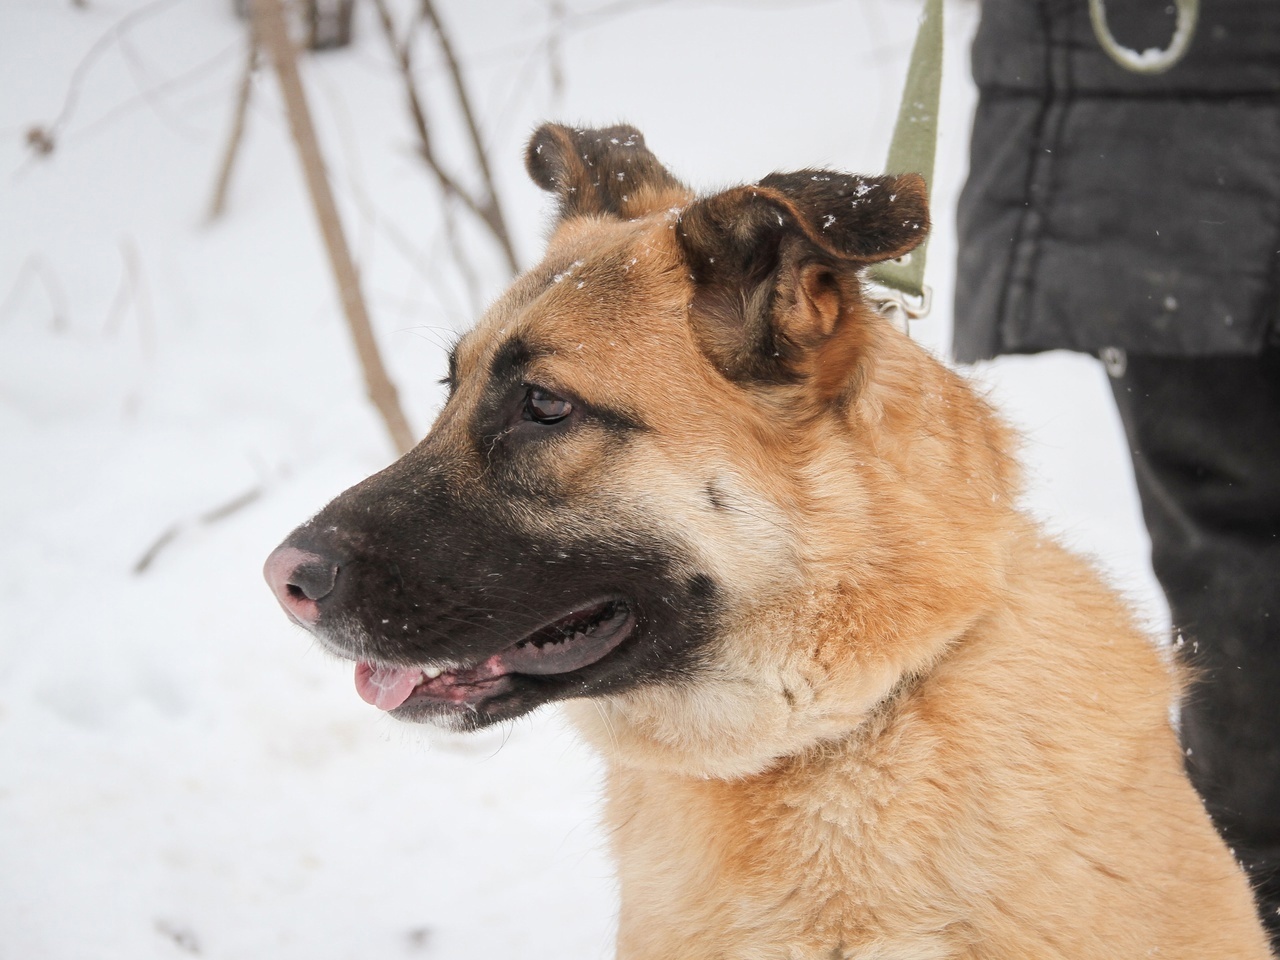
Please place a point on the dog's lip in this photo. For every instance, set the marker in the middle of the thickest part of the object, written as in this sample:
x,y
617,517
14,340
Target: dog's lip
x,y
571,642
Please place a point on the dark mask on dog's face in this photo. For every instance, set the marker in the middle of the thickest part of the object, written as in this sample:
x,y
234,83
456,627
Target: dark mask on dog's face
x,y
587,509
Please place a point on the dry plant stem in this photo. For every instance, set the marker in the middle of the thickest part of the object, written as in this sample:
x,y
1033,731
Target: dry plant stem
x,y
206,519
453,240
133,292
245,92
555,49
450,189
269,23
404,60
120,28
149,90
490,211
34,268
485,208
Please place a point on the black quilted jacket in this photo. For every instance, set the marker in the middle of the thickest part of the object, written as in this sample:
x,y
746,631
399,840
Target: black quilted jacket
x,y
1104,208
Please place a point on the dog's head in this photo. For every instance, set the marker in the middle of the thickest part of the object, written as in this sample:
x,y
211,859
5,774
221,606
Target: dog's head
x,y
684,471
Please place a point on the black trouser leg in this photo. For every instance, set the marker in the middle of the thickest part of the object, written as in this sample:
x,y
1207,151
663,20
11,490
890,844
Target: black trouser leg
x,y
1205,438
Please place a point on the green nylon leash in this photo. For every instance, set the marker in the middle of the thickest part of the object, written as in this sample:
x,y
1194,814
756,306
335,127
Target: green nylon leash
x,y
912,150
902,293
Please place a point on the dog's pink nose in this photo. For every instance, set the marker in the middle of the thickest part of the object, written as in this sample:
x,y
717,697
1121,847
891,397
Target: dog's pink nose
x,y
299,580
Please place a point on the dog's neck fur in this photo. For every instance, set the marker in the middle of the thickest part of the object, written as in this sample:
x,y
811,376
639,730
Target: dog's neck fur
x,y
782,681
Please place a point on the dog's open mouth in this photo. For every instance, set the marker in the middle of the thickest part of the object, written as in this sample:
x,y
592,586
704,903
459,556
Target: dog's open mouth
x,y
570,643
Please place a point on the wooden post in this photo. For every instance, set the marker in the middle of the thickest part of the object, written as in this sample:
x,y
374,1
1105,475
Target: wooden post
x,y
273,34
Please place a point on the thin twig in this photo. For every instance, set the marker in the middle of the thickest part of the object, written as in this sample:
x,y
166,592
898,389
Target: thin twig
x,y
86,63
103,121
207,519
238,123
453,242
486,207
133,290
148,88
273,34
234,505
425,263
35,266
490,210
555,49
426,147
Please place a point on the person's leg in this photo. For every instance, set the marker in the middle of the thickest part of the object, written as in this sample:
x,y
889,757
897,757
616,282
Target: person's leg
x,y
1205,438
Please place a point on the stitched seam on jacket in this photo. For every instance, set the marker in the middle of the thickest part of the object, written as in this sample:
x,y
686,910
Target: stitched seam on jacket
x,y
1271,305
1262,97
1024,254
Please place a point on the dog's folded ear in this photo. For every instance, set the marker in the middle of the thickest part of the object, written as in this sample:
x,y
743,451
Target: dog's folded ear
x,y
858,220
776,264
604,172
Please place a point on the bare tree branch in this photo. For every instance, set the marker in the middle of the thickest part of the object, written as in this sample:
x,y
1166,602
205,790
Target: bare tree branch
x,y
207,519
490,211
133,291
404,60
485,207
453,241
100,46
238,121
35,267
144,98
555,49
425,263
273,34
149,89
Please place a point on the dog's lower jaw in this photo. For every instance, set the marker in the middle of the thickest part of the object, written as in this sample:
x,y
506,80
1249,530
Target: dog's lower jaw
x,y
789,674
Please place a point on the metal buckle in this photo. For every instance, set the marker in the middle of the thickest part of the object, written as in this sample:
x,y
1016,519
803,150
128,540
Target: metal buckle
x,y
898,307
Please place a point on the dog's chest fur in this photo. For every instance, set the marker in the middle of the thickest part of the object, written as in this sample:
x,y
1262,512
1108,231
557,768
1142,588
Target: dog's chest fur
x,y
952,823
768,550
710,868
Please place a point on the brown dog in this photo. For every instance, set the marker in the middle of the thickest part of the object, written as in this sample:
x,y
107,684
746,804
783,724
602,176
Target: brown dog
x,y
853,702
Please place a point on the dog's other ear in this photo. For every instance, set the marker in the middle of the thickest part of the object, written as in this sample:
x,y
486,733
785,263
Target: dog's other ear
x,y
605,172
776,265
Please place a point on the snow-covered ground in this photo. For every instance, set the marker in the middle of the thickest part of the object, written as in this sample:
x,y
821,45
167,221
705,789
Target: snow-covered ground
x,y
181,772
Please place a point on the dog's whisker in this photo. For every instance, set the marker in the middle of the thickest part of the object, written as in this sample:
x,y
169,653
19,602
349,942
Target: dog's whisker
x,y
608,724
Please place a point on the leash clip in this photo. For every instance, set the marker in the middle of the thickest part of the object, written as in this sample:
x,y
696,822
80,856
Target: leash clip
x,y
899,307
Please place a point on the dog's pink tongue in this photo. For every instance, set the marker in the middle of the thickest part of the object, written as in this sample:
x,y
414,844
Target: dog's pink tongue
x,y
386,687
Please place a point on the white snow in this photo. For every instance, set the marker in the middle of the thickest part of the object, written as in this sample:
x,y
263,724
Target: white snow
x,y
182,773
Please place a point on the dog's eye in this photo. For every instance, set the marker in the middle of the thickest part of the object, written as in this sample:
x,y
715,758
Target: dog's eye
x,y
543,407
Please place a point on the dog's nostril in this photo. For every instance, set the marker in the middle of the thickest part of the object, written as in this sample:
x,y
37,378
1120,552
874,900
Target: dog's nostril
x,y
299,579
312,579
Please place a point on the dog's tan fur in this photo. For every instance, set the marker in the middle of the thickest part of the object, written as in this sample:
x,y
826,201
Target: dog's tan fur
x,y
931,732
925,729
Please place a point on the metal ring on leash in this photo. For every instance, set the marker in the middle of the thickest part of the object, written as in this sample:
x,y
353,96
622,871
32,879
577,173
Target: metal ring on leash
x,y
1151,61
897,306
